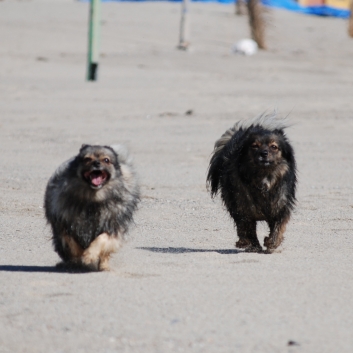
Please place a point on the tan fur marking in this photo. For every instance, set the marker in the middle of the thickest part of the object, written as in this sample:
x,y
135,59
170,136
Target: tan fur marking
x,y
75,249
267,183
275,239
100,250
99,156
278,174
281,170
104,263
88,155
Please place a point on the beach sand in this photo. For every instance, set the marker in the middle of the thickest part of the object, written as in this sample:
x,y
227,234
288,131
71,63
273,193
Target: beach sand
x,y
178,284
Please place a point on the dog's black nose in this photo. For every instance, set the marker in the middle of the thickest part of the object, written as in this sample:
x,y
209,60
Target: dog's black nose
x,y
96,164
264,153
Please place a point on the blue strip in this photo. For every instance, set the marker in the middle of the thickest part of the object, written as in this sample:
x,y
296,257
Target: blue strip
x,y
312,10
290,5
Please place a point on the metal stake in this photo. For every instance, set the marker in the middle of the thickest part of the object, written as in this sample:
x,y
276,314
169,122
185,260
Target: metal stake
x,y
184,30
93,39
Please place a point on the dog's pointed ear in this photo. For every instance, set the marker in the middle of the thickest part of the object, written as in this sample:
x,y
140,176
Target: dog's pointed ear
x,y
83,147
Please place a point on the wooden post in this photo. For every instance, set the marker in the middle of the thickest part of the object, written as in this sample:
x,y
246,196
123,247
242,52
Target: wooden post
x,y
350,21
184,28
257,22
240,7
93,39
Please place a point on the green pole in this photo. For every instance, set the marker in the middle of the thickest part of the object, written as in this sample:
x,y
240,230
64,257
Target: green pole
x,y
93,39
184,26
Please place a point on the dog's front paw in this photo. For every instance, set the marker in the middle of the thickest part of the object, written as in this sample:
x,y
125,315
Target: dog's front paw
x,y
104,265
243,243
267,241
271,244
78,265
248,246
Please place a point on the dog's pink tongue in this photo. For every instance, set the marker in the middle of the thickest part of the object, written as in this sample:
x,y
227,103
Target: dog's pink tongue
x,y
96,180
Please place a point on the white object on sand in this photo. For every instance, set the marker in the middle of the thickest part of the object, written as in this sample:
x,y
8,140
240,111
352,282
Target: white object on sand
x,y
245,47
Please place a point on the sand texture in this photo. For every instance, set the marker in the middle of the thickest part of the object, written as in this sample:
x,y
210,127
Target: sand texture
x,y
178,284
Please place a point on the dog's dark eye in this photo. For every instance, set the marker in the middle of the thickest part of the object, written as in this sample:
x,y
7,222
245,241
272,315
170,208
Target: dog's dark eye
x,y
274,147
254,146
87,159
106,160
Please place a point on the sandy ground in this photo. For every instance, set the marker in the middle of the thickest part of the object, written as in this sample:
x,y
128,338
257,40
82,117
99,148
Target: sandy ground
x,y
179,284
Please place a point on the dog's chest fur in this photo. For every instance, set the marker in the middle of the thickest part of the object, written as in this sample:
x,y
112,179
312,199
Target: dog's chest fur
x,y
85,221
259,198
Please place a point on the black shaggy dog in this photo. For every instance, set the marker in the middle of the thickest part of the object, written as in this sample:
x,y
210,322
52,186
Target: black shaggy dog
x,y
253,167
89,203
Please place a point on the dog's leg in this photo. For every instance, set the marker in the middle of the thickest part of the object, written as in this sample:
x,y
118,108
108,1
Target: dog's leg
x,y
91,256
60,246
98,253
104,262
70,252
246,230
110,246
277,229
74,249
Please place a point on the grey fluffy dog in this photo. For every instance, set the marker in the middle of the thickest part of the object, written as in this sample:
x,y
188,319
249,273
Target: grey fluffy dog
x,y
89,203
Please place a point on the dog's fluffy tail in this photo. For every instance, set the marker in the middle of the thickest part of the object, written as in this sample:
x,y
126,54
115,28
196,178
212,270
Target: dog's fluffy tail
x,y
123,154
214,169
128,172
266,120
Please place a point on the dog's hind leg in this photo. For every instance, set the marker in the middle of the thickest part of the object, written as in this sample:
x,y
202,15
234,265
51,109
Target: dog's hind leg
x,y
70,252
61,247
246,230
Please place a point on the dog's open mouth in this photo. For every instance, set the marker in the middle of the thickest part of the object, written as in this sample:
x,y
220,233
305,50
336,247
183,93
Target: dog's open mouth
x,y
264,162
96,178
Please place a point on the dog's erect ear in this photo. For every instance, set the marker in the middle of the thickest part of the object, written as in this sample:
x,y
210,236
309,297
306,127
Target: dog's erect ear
x,y
83,147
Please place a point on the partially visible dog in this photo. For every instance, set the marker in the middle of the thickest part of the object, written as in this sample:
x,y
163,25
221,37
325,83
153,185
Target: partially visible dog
x,y
89,203
254,168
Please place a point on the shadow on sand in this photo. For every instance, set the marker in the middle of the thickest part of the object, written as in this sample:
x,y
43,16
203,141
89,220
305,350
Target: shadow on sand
x,y
59,268
188,250
21,268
